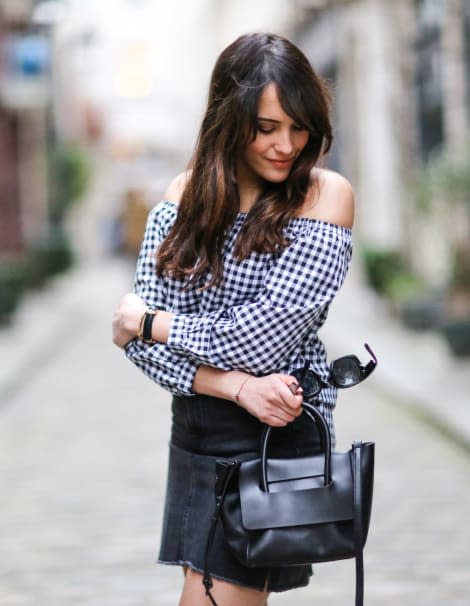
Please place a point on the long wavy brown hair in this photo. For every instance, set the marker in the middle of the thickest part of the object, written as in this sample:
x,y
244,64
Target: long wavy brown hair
x,y
210,200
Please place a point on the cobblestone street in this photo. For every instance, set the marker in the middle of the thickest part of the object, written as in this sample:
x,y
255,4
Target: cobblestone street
x,y
83,460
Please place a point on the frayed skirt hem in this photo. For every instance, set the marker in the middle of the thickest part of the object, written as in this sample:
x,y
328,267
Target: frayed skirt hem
x,y
232,581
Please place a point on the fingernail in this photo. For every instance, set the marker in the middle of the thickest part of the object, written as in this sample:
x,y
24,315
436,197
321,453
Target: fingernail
x,y
293,387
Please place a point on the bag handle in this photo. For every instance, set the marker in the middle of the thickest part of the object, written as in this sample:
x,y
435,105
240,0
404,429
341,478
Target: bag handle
x,y
325,437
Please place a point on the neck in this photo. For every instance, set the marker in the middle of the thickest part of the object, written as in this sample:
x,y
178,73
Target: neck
x,y
247,198
249,188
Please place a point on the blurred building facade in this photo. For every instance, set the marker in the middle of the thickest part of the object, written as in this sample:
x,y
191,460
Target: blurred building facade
x,y
24,102
143,78
400,72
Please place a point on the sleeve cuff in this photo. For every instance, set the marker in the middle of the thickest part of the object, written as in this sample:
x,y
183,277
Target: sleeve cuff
x,y
174,373
180,326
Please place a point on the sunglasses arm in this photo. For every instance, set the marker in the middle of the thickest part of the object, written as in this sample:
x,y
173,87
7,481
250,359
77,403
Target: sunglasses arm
x,y
369,367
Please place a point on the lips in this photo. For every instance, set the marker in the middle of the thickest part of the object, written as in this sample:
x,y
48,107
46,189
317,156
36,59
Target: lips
x,y
281,163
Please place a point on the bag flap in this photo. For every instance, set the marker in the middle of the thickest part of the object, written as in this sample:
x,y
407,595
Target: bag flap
x,y
297,495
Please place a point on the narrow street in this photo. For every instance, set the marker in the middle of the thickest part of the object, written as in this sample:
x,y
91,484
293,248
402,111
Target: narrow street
x,y
100,106
83,461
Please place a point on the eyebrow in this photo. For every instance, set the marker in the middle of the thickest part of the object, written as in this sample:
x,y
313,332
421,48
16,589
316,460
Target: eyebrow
x,y
261,119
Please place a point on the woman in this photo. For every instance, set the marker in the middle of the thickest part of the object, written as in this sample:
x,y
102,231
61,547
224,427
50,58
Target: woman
x,y
242,260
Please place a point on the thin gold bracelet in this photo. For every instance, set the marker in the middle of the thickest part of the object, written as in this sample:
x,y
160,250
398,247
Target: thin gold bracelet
x,y
237,395
141,325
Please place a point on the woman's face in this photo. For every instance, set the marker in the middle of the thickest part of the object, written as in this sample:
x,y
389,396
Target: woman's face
x,y
279,141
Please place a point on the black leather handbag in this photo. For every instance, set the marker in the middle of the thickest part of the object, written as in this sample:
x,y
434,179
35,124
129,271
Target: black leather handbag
x,y
301,510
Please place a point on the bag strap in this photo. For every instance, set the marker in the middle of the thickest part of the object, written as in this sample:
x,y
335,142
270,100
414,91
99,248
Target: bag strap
x,y
224,473
357,522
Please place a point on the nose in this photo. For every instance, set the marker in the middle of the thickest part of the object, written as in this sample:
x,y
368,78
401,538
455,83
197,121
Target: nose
x,y
284,144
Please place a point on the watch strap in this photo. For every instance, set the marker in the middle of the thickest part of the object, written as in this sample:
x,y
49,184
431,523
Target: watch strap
x,y
146,325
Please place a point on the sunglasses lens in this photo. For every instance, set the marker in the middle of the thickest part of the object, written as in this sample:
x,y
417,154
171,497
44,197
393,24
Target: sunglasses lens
x,y
346,372
311,384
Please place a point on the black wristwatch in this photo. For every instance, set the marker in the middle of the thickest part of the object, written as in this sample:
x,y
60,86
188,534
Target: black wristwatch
x,y
145,332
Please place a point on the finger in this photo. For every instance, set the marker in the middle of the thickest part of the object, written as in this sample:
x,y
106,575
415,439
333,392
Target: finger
x,y
275,422
290,414
291,405
291,402
274,415
284,414
295,388
283,418
287,415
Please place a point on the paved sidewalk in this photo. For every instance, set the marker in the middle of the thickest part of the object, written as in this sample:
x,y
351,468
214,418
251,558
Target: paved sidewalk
x,y
84,437
49,319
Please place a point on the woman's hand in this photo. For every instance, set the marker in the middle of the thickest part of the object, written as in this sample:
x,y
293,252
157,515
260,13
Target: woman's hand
x,y
274,399
126,320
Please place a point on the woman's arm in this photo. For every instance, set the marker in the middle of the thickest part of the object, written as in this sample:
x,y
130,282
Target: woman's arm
x,y
258,335
170,370
274,399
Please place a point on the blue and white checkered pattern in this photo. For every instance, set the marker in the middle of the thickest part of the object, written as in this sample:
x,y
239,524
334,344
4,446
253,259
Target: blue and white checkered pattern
x,y
265,316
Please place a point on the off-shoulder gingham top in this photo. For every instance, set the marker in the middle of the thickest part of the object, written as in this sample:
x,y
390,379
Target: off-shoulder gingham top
x,y
265,316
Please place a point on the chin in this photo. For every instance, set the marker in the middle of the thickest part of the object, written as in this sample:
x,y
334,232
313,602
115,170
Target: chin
x,y
278,177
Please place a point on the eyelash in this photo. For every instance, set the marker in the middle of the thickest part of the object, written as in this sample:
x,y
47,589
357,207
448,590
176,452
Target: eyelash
x,y
267,131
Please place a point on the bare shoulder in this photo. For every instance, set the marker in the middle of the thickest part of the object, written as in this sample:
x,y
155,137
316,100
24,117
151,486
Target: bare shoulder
x,y
176,187
330,199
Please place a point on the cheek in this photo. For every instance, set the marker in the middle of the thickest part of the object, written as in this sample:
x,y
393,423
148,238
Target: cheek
x,y
302,141
254,151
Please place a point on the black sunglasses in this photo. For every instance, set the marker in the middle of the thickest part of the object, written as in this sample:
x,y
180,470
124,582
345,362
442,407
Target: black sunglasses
x,y
346,371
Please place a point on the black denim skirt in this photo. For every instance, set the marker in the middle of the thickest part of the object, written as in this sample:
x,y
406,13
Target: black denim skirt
x,y
205,429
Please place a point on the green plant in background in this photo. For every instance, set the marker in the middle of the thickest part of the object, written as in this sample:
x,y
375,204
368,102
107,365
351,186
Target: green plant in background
x,y
69,176
50,256
70,173
13,280
445,180
409,296
382,267
47,257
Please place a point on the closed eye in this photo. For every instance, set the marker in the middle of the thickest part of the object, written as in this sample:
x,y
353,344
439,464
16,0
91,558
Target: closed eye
x,y
267,126
265,129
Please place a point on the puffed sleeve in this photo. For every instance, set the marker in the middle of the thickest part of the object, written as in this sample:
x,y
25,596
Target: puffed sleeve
x,y
172,370
258,336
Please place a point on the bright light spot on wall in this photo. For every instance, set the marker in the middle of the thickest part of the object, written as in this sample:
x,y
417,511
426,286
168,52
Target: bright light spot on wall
x,y
134,73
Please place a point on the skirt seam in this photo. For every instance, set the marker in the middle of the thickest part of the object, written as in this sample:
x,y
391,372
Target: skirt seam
x,y
189,501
